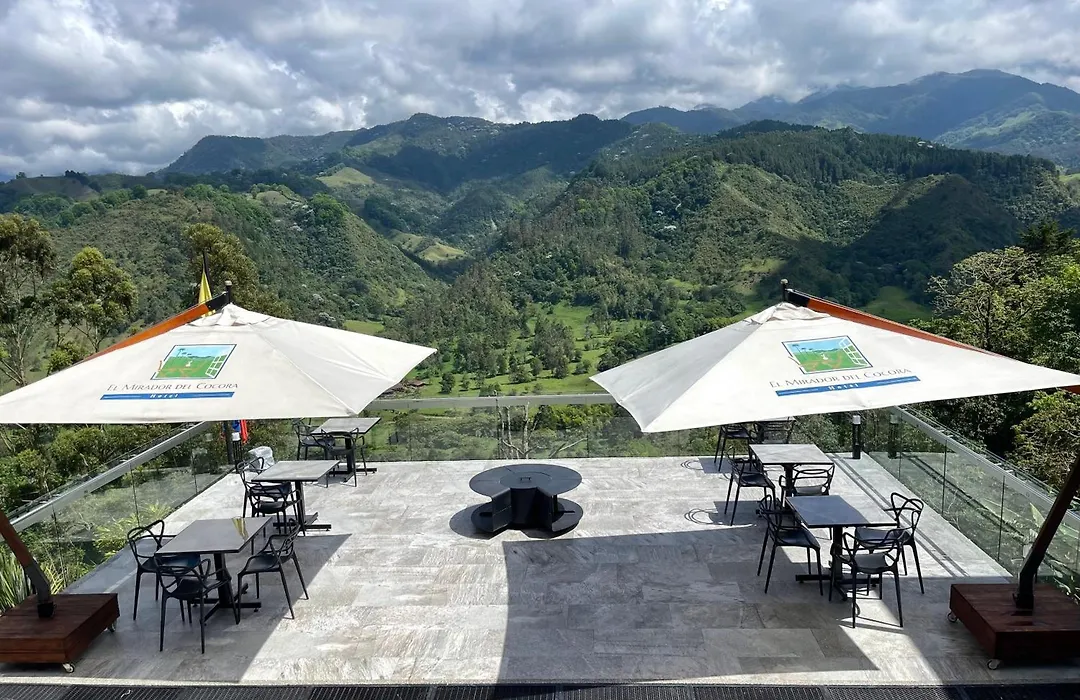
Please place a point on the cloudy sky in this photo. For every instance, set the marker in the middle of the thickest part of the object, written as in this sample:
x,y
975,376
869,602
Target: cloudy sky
x,y
130,84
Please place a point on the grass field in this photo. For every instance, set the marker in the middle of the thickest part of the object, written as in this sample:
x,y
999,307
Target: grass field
x,y
346,177
366,327
895,304
434,253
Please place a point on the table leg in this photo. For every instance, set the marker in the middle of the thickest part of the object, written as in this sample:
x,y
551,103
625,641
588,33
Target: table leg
x,y
307,522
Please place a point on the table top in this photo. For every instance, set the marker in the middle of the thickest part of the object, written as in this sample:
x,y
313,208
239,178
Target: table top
x,y
358,426
215,536
784,453
552,479
306,470
836,511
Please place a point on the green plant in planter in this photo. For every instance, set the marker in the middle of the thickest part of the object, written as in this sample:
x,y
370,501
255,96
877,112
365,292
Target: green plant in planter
x,y
13,585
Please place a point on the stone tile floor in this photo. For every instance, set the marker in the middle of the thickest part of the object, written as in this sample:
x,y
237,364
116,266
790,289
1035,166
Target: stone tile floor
x,y
649,587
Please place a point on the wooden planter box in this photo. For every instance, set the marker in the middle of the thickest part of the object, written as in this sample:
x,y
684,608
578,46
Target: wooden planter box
x,y
77,621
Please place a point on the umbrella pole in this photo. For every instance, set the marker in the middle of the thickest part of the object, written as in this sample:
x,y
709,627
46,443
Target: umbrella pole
x,y
30,566
1025,591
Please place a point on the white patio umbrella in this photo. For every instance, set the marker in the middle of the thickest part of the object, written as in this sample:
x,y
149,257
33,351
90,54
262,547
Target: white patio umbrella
x,y
790,360
235,364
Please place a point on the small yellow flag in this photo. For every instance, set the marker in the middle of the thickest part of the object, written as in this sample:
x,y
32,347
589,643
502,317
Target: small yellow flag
x,y
204,287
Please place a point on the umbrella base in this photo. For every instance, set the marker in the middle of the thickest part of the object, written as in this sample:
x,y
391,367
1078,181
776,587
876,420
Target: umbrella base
x,y
1050,632
77,621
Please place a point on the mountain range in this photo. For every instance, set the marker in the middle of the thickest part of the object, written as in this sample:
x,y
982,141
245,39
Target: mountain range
x,y
982,109
408,223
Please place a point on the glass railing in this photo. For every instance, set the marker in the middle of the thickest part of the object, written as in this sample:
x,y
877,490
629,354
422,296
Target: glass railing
x,y
991,501
73,530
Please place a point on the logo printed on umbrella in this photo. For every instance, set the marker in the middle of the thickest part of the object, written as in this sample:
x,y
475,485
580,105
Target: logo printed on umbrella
x,y
194,362
826,355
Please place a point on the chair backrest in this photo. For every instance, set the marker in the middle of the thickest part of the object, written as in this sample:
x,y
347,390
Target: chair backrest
x,y
251,464
171,575
282,544
812,479
145,541
778,517
774,432
301,428
908,511
890,547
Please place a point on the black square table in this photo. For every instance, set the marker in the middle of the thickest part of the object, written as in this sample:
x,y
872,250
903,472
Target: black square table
x,y
297,474
348,429
787,456
835,513
219,537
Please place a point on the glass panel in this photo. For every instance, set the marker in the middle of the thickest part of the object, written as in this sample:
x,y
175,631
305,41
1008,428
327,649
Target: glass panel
x,y
921,465
972,500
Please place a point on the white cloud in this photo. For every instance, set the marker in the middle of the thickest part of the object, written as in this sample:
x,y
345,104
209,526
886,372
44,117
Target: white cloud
x,y
130,84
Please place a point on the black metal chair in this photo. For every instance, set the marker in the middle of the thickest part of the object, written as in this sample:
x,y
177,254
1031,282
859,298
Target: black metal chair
x,y
307,439
271,559
784,530
907,512
808,481
870,559
144,542
746,474
737,432
190,585
773,432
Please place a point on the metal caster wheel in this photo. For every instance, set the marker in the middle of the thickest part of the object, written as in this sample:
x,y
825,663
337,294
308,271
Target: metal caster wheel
x,y
68,668
993,664
952,617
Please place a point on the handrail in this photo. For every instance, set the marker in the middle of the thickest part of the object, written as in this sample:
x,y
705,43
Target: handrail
x,y
446,402
51,505
1030,486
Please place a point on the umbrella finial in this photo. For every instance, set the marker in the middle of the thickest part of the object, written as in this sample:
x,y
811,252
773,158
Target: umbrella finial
x,y
783,290
228,290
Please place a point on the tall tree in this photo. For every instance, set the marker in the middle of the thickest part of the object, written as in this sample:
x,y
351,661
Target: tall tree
x,y
227,261
26,259
93,299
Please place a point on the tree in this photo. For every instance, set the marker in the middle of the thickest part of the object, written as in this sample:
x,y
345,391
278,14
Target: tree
x,y
227,261
447,384
536,365
583,367
93,299
1047,238
20,175
26,259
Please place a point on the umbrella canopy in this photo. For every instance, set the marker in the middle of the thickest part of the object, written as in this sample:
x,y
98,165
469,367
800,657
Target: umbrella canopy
x,y
235,364
790,361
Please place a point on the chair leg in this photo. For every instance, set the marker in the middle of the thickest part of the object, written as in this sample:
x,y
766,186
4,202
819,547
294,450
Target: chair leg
x,y
772,557
135,606
300,575
819,582
202,624
735,505
285,585
236,598
161,622
899,605
918,569
903,556
854,593
719,449
761,559
727,499
258,593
